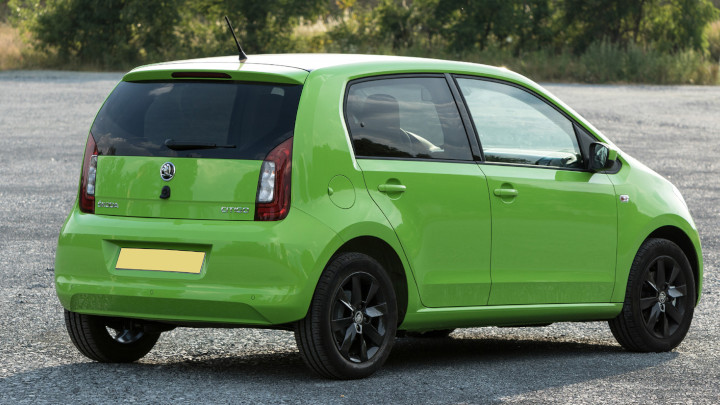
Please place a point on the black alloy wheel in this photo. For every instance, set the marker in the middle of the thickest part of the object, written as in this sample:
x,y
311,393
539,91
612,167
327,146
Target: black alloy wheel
x,y
350,326
663,298
359,317
659,299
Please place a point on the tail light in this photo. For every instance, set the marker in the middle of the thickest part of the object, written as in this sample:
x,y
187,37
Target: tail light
x,y
89,173
273,193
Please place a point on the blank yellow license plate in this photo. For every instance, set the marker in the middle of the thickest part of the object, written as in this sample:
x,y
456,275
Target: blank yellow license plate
x,y
179,261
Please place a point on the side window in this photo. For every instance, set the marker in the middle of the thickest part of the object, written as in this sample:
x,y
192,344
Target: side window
x,y
517,127
406,118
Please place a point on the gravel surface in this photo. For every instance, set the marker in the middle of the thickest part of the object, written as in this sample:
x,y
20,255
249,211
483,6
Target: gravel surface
x,y
44,119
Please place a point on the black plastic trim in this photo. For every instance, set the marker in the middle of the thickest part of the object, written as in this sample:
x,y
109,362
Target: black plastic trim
x,y
415,159
567,169
615,168
203,75
467,121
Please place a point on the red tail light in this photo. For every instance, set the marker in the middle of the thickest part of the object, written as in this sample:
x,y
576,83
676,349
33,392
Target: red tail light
x,y
89,173
273,194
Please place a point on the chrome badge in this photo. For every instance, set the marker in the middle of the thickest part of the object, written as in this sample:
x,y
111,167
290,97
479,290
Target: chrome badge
x,y
107,204
167,171
236,210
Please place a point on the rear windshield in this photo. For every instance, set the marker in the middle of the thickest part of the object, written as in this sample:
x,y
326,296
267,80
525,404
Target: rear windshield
x,y
199,119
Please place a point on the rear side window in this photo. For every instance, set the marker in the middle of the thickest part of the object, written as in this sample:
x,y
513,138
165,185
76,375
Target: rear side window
x,y
406,118
200,119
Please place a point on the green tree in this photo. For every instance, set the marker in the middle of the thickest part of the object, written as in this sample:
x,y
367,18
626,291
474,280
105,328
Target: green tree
x,y
670,25
103,32
261,26
406,21
679,24
588,21
518,24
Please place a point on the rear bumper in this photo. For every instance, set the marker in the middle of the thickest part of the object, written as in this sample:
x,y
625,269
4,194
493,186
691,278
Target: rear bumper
x,y
255,273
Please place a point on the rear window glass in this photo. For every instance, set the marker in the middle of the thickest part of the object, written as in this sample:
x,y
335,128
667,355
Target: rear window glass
x,y
200,119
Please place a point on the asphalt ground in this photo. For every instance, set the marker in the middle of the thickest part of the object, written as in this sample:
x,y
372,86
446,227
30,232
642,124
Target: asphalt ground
x,y
44,120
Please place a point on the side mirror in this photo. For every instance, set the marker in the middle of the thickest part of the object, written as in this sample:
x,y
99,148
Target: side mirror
x,y
601,156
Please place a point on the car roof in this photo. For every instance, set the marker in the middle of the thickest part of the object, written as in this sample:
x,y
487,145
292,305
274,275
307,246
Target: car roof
x,y
309,62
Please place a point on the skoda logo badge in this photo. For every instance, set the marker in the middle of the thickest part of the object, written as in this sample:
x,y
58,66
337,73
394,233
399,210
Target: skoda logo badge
x,y
167,171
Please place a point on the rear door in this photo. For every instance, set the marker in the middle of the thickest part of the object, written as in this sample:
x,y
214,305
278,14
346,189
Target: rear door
x,y
418,166
213,135
554,224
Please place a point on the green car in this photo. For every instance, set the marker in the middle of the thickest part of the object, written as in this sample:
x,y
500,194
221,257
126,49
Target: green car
x,y
353,197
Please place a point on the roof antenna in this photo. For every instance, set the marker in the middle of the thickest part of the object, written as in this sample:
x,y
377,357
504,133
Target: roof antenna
x,y
243,57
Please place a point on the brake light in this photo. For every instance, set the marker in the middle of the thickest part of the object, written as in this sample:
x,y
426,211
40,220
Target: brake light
x,y
273,193
89,175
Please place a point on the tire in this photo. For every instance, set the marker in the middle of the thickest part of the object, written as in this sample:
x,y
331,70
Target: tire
x,y
92,336
431,334
659,299
350,326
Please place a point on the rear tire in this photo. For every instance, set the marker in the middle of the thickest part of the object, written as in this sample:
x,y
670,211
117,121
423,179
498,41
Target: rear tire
x,y
351,323
659,300
109,340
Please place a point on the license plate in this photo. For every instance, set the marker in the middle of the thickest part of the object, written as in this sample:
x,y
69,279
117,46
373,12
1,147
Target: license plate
x,y
179,261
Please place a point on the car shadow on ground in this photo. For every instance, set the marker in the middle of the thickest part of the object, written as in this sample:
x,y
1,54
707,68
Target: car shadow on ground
x,y
439,370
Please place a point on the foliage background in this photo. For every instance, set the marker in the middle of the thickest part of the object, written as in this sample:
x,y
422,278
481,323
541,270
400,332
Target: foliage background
x,y
642,41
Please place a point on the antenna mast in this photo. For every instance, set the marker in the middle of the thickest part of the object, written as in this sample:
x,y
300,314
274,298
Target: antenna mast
x,y
243,57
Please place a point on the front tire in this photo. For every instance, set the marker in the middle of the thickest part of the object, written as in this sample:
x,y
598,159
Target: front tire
x,y
350,327
109,340
659,300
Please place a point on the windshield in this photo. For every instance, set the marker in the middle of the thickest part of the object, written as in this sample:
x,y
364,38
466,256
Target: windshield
x,y
198,119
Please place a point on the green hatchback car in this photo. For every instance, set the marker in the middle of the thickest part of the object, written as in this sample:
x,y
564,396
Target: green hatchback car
x,y
352,197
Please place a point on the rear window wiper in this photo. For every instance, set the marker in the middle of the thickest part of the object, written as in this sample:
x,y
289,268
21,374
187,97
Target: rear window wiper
x,y
174,145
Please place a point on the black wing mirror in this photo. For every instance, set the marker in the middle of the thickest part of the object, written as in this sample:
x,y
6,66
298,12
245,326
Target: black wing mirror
x,y
601,156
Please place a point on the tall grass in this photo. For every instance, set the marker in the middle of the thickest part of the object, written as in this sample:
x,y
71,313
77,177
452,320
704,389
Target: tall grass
x,y
11,48
712,34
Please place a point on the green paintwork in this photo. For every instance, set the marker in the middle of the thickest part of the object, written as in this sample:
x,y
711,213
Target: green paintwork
x,y
508,315
245,268
236,71
554,241
441,213
199,190
558,249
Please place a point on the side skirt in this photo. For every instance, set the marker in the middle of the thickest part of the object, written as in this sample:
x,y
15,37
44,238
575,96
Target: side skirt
x,y
507,315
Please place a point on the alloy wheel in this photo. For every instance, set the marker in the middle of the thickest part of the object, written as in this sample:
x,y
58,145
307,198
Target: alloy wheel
x,y
663,298
358,317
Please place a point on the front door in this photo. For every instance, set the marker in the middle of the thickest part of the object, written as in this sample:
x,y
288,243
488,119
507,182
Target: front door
x,y
413,150
554,224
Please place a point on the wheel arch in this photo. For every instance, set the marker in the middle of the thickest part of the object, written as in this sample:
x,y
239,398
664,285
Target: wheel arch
x,y
381,251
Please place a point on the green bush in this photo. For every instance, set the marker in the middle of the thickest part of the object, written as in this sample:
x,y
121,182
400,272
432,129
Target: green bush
x,y
712,34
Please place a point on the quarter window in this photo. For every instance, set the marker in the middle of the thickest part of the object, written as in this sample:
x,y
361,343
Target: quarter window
x,y
406,118
517,127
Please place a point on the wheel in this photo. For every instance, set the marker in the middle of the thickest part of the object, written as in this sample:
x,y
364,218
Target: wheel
x,y
350,326
659,300
431,334
109,340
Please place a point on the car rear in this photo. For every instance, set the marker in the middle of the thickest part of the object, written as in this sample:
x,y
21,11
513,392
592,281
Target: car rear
x,y
185,196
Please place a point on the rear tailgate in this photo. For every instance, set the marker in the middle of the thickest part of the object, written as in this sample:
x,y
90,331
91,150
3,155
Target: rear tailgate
x,y
214,133
200,189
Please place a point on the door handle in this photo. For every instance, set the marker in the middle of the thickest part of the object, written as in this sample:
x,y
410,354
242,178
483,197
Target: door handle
x,y
391,188
506,192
